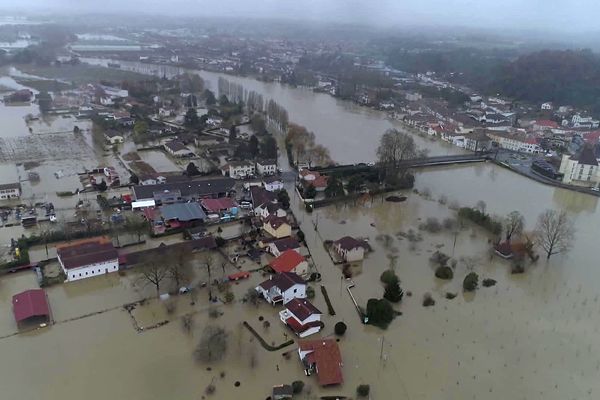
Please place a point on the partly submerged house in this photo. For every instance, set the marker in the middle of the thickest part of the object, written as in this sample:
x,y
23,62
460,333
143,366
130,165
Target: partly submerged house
x,y
88,258
302,317
350,249
279,246
283,288
277,227
290,261
322,357
31,306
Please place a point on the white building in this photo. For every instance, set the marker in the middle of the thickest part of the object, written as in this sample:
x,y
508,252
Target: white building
x,y
240,169
113,137
350,249
273,184
178,149
10,191
266,167
88,258
547,106
282,288
584,122
302,317
581,169
519,143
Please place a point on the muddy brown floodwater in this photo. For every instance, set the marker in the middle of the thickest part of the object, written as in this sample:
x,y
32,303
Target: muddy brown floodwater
x,y
532,336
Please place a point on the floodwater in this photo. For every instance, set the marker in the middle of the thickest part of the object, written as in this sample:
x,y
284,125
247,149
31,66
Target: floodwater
x,y
532,336
349,131
159,161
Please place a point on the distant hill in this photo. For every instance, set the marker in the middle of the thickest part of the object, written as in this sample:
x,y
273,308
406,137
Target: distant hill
x,y
564,77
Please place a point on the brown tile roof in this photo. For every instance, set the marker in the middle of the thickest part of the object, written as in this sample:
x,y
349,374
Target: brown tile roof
x,y
275,221
286,244
85,253
349,243
302,309
586,156
326,356
283,281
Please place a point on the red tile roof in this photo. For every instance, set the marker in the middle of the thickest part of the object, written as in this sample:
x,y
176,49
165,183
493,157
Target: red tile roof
x,y
287,261
547,123
30,303
87,252
326,356
298,327
216,205
301,309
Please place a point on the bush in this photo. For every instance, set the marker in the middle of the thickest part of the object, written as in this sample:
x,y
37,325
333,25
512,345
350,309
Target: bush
x,y
488,282
229,297
363,390
380,312
450,295
444,272
393,292
297,387
439,258
340,328
220,241
449,224
310,292
431,225
471,282
428,300
388,276
481,218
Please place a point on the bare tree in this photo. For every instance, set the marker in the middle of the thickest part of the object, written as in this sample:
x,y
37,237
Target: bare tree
x,y
154,272
178,268
136,225
212,345
513,224
554,232
481,206
394,148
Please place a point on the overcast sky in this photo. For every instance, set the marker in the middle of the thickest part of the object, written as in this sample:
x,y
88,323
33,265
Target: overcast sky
x,y
555,15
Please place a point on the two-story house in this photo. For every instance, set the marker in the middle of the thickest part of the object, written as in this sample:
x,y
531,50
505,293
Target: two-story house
x,y
282,288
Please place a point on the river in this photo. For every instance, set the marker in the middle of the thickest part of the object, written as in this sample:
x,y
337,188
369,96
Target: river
x,y
532,336
350,132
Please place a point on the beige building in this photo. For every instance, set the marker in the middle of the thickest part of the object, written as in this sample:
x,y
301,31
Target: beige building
x,y
581,169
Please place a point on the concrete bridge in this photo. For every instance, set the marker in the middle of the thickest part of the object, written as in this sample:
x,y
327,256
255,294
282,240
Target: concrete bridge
x,y
413,163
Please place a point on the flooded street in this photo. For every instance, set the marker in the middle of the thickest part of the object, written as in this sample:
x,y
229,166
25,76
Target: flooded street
x,y
532,336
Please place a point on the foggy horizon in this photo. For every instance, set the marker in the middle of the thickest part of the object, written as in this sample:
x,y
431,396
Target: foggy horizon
x,y
513,15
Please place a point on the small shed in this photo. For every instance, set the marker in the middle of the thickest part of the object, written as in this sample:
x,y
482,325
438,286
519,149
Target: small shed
x,y
282,392
31,306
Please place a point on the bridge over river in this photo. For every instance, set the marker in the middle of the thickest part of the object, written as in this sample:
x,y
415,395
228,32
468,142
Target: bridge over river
x,y
414,163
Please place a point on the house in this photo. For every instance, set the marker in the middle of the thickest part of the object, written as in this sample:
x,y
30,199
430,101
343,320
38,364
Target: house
x,y
302,317
10,191
279,246
88,258
584,122
477,141
177,149
151,179
314,178
239,169
266,167
290,261
350,249
268,209
581,169
31,306
282,287
544,124
282,392
261,197
547,106
272,184
322,357
277,227
222,205
113,137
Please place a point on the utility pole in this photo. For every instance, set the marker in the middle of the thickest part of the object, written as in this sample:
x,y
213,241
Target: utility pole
x,y
381,352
